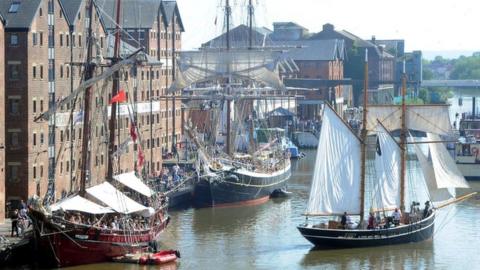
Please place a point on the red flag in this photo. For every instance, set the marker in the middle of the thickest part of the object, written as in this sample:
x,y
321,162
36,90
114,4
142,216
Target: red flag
x,y
133,132
141,159
120,97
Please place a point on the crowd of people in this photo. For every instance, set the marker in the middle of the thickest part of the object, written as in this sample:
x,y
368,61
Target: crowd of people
x,y
107,222
169,178
376,222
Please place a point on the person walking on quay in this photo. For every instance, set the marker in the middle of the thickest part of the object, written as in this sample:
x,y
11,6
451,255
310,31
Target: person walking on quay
x,y
14,219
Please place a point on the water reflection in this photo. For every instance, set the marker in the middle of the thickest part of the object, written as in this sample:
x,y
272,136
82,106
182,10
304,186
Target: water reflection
x,y
419,255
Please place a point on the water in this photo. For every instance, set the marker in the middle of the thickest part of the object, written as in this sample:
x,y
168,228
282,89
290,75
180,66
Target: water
x,y
265,237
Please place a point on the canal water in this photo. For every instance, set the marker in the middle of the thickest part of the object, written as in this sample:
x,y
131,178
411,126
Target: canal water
x,y
265,237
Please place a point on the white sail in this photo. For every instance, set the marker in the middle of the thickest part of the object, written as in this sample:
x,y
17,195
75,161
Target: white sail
x,y
426,118
447,174
336,180
387,166
437,196
205,65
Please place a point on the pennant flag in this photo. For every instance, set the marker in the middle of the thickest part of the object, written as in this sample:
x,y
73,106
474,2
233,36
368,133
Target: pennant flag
x,y
133,132
120,97
141,159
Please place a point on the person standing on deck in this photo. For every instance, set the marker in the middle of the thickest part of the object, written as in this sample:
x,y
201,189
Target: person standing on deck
x,y
14,219
396,217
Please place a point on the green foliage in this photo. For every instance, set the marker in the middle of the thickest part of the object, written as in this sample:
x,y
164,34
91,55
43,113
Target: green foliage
x,y
427,74
463,68
435,95
466,68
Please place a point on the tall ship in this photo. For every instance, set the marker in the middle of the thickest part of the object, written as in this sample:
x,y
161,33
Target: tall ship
x,y
233,169
467,149
118,216
340,186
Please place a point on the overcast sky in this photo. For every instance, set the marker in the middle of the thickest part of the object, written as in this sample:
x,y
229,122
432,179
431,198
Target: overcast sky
x,y
428,25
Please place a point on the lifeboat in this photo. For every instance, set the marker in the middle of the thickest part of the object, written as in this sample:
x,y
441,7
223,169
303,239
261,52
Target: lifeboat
x,y
161,257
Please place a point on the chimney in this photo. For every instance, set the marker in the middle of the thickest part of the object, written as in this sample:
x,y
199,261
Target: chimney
x,y
328,27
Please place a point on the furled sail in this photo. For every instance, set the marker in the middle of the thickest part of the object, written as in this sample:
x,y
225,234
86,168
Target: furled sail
x,y
387,166
213,64
426,118
336,180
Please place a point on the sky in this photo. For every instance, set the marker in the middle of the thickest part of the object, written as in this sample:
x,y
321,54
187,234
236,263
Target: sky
x,y
445,26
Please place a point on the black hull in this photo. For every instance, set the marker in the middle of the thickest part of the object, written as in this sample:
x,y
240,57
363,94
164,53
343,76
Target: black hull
x,y
181,198
332,238
237,189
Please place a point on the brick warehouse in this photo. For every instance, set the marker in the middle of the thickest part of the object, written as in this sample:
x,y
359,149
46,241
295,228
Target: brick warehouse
x,y
45,48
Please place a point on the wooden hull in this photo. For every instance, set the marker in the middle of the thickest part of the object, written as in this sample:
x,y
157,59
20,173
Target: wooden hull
x,y
340,238
79,245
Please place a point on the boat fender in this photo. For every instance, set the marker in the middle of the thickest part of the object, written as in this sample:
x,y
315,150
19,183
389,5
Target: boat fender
x,y
177,253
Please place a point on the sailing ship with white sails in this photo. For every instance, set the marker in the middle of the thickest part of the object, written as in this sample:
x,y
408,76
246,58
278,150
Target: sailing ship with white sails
x,y
339,185
237,77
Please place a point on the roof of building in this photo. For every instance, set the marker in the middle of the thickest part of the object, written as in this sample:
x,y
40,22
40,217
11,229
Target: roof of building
x,y
126,50
288,25
70,9
357,41
141,14
312,50
169,8
280,111
239,37
20,17
308,50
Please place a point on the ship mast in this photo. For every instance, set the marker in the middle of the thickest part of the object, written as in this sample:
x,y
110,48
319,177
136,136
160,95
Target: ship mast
x,y
403,140
228,12
364,139
115,85
250,47
250,24
89,69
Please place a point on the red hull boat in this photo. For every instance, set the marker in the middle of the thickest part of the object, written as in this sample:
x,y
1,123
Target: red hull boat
x,y
59,243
